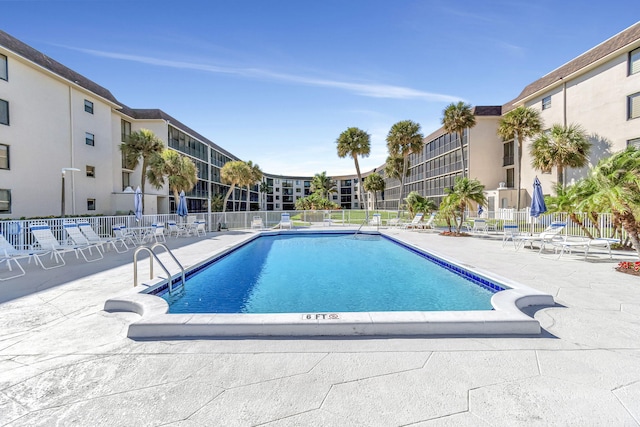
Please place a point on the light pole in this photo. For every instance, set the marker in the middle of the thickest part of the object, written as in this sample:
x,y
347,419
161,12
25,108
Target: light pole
x,y
63,172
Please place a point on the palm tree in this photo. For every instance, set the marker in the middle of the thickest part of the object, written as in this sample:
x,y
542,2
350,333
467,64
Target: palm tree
x,y
567,200
616,186
416,204
254,177
180,171
562,146
233,173
455,119
323,184
404,139
374,183
141,144
519,124
264,190
355,142
466,192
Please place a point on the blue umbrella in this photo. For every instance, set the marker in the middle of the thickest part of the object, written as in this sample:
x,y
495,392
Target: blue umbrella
x,y
137,204
182,205
537,200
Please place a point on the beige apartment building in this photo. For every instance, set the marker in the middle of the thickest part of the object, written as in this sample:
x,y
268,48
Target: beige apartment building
x,y
54,119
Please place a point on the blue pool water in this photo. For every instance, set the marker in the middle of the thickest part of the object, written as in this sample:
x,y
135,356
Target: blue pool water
x,y
327,273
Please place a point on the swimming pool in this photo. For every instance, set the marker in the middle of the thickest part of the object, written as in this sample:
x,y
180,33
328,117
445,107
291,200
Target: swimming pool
x,y
506,317
297,273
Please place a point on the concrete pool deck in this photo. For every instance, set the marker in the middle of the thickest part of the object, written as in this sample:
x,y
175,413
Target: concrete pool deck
x,y
65,361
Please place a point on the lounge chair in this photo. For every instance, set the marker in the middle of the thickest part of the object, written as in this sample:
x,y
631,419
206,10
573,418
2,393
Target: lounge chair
x,y
394,222
80,243
95,238
256,223
46,241
285,221
550,233
429,223
584,243
414,222
9,254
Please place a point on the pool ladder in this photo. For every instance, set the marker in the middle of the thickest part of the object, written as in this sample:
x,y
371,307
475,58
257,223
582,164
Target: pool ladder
x,y
152,256
361,225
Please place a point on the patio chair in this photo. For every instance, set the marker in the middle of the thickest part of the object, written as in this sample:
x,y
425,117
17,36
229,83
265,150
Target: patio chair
x,y
176,230
376,220
510,232
47,241
201,227
285,221
256,223
394,222
414,222
480,226
156,233
103,240
120,232
429,223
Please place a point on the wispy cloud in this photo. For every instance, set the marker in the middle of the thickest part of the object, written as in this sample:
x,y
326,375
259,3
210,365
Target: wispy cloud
x,y
368,89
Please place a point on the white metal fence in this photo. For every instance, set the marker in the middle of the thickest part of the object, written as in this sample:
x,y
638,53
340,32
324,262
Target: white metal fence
x,y
18,234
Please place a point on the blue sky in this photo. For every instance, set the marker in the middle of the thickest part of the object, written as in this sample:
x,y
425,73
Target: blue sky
x,y
277,81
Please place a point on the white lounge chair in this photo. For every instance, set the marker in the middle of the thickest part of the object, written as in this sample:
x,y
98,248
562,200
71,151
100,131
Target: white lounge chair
x,y
567,245
9,256
414,222
285,221
95,238
429,223
47,241
80,242
256,223
550,233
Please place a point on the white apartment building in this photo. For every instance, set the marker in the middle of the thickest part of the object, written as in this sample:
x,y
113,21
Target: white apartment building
x,y
52,118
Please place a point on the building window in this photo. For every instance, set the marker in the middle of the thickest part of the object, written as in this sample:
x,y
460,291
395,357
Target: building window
x,y
634,61
91,204
634,106
4,112
546,102
632,142
88,106
89,139
5,201
510,180
126,180
508,154
4,156
91,171
4,72
125,130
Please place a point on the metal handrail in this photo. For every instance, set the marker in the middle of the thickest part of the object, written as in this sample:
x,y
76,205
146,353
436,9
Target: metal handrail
x,y
153,255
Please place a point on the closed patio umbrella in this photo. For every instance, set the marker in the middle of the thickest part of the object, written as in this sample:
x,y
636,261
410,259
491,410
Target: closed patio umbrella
x,y
182,205
538,207
137,204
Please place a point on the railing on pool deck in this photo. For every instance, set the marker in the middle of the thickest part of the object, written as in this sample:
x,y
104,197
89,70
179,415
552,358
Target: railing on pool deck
x,y
152,256
17,232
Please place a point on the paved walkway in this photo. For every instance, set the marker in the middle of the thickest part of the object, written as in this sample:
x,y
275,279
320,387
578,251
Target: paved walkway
x,y
64,361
